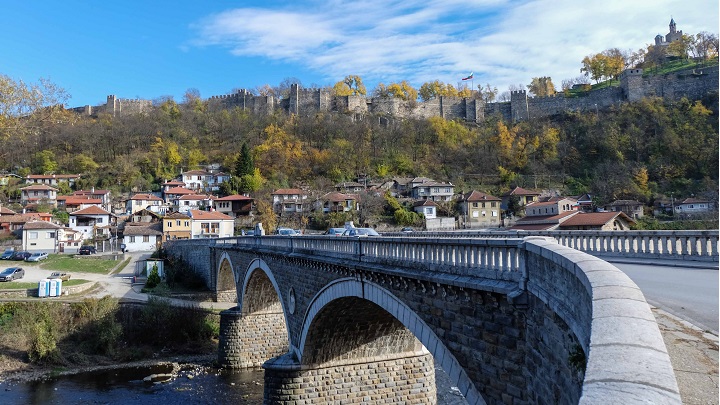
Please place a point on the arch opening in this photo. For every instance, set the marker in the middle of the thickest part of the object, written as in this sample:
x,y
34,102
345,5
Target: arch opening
x,y
225,288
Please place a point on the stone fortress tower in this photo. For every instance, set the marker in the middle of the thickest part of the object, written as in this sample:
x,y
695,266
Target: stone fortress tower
x,y
673,35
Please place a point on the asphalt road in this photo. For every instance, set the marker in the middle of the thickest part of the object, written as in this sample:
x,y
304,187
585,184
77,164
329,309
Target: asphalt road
x,y
688,293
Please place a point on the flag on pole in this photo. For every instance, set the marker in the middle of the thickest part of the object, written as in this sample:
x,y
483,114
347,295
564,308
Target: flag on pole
x,y
469,77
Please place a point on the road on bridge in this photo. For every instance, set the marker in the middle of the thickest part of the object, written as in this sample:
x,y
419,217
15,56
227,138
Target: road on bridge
x,y
686,292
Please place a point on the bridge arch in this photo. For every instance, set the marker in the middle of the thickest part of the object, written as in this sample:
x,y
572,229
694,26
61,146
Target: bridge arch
x,y
257,329
351,319
225,280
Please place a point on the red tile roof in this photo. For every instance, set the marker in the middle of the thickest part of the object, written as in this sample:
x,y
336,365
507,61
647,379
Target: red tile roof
x,y
479,196
594,219
208,215
91,210
179,190
146,197
285,191
235,197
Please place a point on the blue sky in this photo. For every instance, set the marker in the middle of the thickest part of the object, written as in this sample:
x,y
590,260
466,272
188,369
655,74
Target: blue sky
x,y
150,49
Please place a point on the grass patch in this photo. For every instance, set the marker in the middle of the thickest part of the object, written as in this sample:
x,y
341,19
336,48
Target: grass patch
x,y
122,265
20,285
72,264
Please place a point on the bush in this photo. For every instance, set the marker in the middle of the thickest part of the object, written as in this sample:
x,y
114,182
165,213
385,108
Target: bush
x,y
153,279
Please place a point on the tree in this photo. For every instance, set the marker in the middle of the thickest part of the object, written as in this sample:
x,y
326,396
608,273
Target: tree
x,y
680,47
244,163
541,87
352,85
434,89
605,65
44,162
487,93
704,45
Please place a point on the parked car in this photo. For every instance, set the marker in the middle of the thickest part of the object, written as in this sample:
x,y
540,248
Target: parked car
x,y
286,232
8,254
36,257
407,230
360,232
21,255
87,250
12,273
61,275
335,231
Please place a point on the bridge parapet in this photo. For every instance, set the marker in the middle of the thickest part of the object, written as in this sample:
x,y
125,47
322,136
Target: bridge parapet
x,y
673,245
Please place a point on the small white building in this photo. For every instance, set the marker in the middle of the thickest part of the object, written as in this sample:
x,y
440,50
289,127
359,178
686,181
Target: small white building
x,y
426,207
211,224
40,236
142,201
691,206
288,200
142,237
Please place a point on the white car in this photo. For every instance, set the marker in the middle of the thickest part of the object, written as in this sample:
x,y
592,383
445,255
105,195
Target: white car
x,y
36,257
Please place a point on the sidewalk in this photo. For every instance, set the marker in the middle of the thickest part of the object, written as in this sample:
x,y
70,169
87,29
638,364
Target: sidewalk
x,y
694,356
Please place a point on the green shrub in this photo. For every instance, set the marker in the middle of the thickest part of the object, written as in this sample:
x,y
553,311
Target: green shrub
x,y
153,279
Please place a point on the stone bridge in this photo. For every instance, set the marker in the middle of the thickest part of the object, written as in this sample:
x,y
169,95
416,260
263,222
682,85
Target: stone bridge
x,y
364,320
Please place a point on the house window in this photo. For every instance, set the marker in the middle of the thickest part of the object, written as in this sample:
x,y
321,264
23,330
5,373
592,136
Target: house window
x,y
178,222
494,213
146,238
169,224
32,235
475,205
50,235
428,211
475,214
492,204
100,220
483,205
132,239
187,223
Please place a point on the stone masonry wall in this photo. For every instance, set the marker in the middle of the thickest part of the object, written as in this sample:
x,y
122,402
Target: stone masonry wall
x,y
396,380
247,341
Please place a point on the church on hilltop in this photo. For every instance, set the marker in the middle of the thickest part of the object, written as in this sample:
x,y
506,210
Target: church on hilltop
x,y
672,36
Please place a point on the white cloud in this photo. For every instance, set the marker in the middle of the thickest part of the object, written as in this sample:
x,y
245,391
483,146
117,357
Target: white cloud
x,y
503,42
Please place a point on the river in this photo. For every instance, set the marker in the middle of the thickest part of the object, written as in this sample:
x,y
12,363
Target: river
x,y
191,385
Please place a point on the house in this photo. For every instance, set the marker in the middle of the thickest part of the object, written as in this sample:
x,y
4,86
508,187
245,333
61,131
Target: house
x,y
427,208
433,190
193,202
631,208
402,186
479,210
542,222
552,207
598,221
349,187
173,194
523,196
691,206
176,226
211,224
104,196
72,203
52,179
172,184
12,223
38,194
234,205
142,236
92,222
202,181
585,203
141,201
5,211
337,202
7,178
288,200
40,236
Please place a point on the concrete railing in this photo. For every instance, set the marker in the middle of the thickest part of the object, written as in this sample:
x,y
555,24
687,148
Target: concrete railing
x,y
626,358
673,245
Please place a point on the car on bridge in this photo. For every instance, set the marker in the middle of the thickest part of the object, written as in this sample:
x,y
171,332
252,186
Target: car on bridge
x,y
360,232
12,273
286,232
335,231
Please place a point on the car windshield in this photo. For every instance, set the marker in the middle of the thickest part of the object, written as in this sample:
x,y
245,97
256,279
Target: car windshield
x,y
7,271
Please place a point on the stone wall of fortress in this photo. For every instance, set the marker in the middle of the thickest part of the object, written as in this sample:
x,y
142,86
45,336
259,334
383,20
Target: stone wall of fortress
x,y
692,83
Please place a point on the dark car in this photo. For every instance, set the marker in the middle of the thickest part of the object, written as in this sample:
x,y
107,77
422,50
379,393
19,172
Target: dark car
x,y
360,232
87,250
21,255
12,273
8,254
